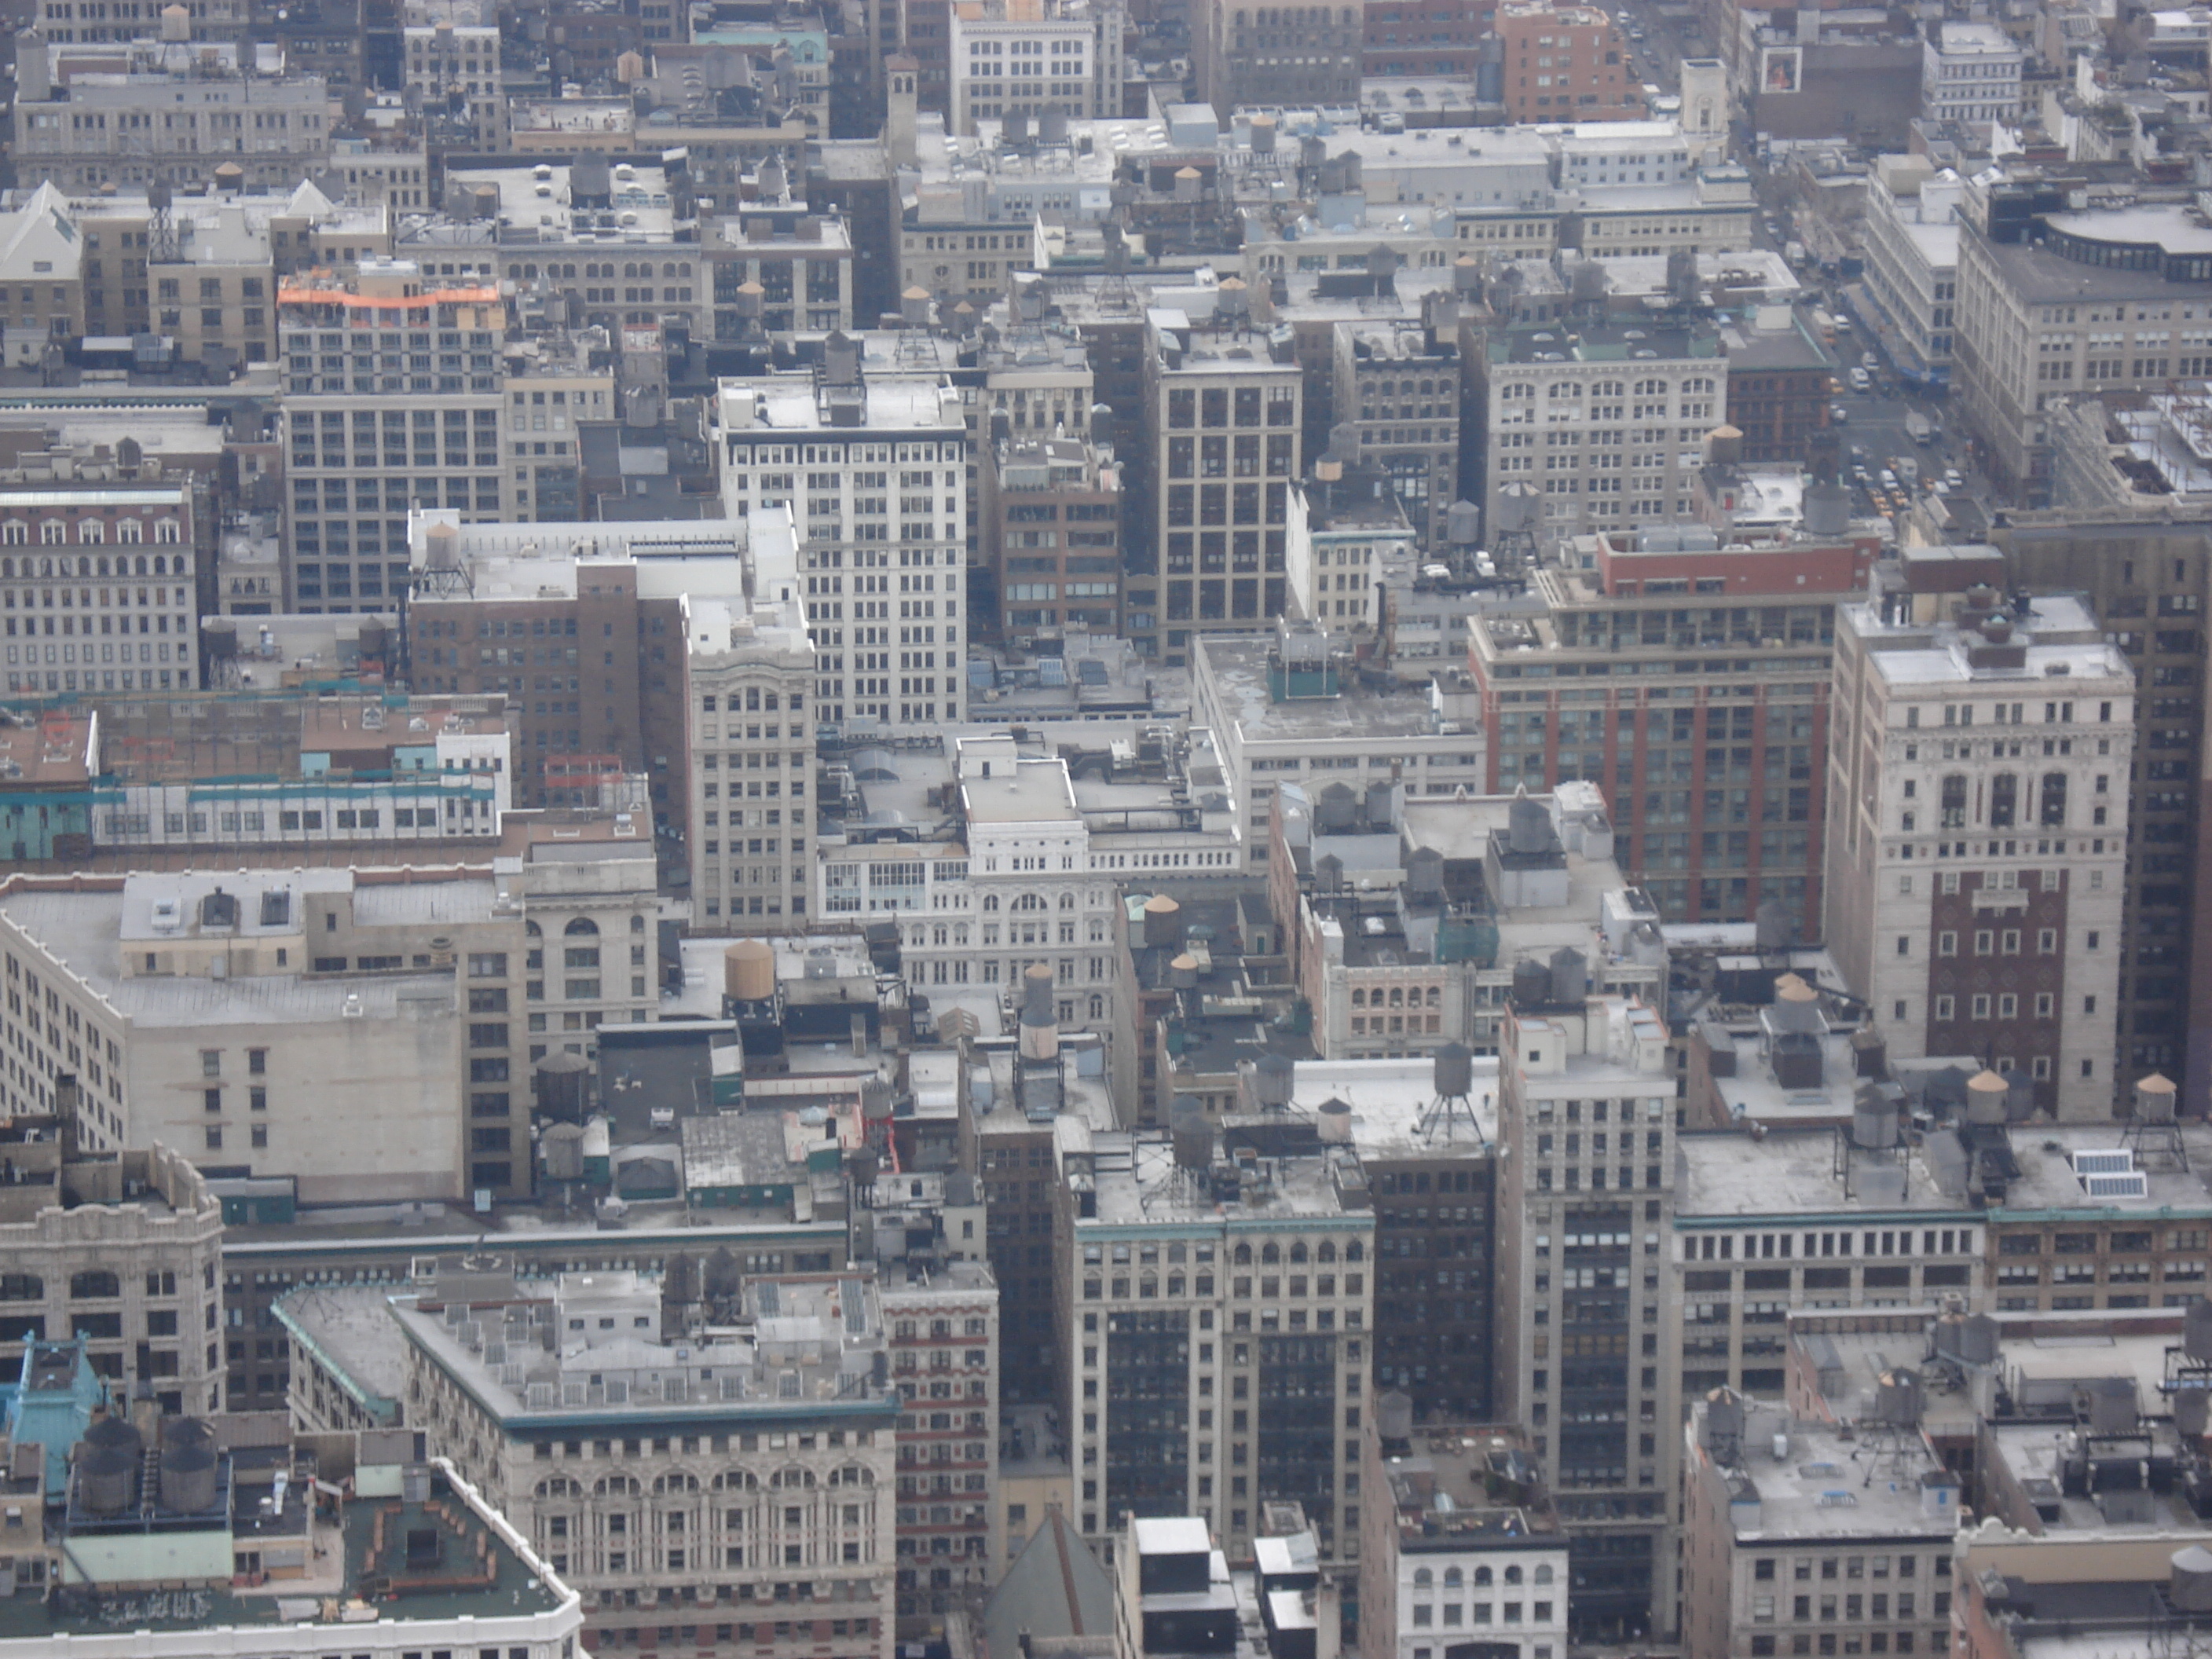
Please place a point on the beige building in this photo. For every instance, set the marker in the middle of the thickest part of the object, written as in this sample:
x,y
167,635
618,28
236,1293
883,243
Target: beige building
x,y
1978,823
454,70
737,1481
124,1250
1020,60
751,671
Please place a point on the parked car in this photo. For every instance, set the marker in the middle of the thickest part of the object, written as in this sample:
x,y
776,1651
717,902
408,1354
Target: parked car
x,y
1837,415
1954,479
1860,381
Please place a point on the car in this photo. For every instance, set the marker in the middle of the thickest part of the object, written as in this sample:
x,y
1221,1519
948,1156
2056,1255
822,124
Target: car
x,y
1954,479
1860,381
1888,479
1837,415
1842,325
663,1117
1869,361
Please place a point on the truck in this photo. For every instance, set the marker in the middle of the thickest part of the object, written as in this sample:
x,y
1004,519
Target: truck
x,y
1919,427
1795,254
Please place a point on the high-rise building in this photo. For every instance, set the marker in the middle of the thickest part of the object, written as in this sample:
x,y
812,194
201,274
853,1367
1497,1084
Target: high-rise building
x,y
1706,725
1298,57
1050,533
1586,1132
942,1323
1216,1319
1222,403
1912,263
1976,841
872,464
401,394
1400,383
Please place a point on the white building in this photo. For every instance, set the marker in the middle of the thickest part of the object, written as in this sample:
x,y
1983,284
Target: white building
x,y
1912,259
1021,60
1970,72
873,465
104,560
1604,422
1978,827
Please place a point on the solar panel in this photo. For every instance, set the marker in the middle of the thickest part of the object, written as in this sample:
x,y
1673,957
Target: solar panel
x,y
2117,1161
2114,1185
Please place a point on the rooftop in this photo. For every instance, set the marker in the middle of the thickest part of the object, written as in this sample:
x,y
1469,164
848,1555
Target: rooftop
x,y
1138,1183
1603,342
1237,666
1468,1488
1827,1486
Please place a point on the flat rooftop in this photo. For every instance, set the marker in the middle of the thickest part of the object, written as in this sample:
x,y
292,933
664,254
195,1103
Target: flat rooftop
x,y
1237,665
1828,1486
1139,1184
1391,1102
1725,1174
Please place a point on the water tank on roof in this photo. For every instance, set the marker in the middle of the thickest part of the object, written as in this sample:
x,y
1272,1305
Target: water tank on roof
x,y
1162,921
2113,1408
188,1479
1528,826
1874,1126
1452,1070
749,971
180,1431
2192,1411
1182,972
1985,1097
1723,1430
1333,1122
115,1433
2190,1587
1378,806
1336,810
1394,1415
1424,874
1898,1397
1190,1132
1796,1006
107,1479
1463,524
560,1081
1570,975
1531,983
876,1100
2154,1099
1773,925
1274,1079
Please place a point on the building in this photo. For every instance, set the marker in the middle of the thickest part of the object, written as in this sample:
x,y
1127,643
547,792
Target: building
x,y
943,1321
1780,377
1751,725
2035,271
1937,651
91,115
147,531
497,606
1911,241
360,364
1215,1335
42,260
1771,1553
1350,552
248,1020
453,72
1458,1543
875,439
1587,1170
1564,63
120,1251
1222,409
714,1499
1424,38
1603,430
1389,374
252,1558
743,661
1018,62
1293,709
1049,530
1970,72
1273,55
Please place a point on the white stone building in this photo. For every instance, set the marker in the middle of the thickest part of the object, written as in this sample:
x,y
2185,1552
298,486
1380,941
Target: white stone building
x,y
1021,60
1970,72
1978,827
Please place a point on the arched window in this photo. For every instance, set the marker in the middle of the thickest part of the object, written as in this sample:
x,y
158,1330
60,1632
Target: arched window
x,y
1452,1579
990,900
1030,902
1422,1578
637,924
1298,1255
1270,1255
582,926
1243,1257
1543,1576
2004,801
1512,1575
1355,1251
1482,1578
2053,812
1326,1252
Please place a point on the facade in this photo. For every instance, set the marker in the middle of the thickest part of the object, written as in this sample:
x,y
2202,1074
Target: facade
x,y
2055,303
1970,72
88,116
390,355
1766,1557
1606,429
454,71
1459,1546
1300,56
1779,382
1587,1170
1050,529
1350,553
1390,374
741,663
1021,60
1223,407
1946,854
120,1252
668,1479
843,447
942,1323
91,536
1565,62
1913,262
1215,1338
42,260
1751,725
